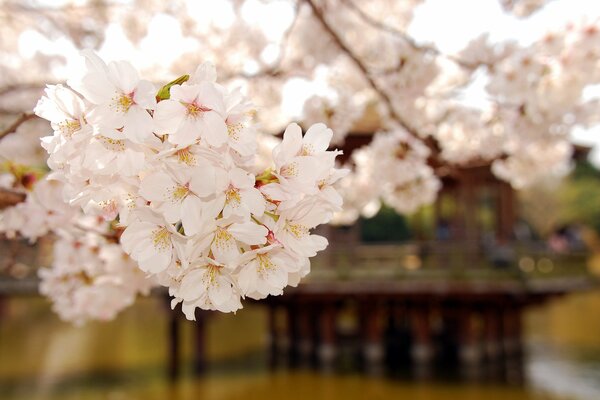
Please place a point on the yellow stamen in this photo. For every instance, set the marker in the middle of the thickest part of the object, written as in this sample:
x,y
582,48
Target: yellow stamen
x,y
290,170
195,110
68,128
123,102
112,144
179,192
185,156
234,130
161,239
264,263
232,196
298,230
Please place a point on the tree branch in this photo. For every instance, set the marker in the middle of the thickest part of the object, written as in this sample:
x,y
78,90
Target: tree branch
x,y
10,198
362,67
405,37
24,117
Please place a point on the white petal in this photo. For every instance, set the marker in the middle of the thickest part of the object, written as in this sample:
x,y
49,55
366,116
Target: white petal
x,y
249,232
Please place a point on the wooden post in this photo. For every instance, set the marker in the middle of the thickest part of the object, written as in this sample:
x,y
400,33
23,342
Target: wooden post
x,y
173,355
373,315
272,334
512,331
492,333
505,211
469,350
290,339
305,333
422,349
327,345
200,342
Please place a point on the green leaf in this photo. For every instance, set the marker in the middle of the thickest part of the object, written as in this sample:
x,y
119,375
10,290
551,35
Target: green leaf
x,y
165,92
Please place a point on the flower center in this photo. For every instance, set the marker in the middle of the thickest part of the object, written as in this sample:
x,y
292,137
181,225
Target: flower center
x,y
112,144
264,263
307,150
185,156
298,230
179,192
161,239
222,238
124,102
68,128
290,170
232,196
195,110
233,130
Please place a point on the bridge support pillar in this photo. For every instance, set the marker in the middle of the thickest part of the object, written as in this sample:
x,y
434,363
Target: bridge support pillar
x,y
469,351
422,351
373,315
327,350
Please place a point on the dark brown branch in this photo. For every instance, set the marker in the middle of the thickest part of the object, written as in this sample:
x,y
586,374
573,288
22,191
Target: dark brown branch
x,y
362,67
24,117
10,198
406,38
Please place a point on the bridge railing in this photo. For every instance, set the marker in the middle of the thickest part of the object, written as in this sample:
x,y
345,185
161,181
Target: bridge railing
x,y
446,260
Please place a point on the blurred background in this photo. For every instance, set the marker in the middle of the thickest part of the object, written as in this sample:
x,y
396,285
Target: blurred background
x,y
476,280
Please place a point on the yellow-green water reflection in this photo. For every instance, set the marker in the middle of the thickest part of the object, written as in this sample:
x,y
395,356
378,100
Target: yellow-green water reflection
x,y
43,358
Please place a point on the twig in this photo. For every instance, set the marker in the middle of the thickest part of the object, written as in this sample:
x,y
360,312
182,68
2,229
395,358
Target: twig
x,y
406,38
24,117
10,198
363,68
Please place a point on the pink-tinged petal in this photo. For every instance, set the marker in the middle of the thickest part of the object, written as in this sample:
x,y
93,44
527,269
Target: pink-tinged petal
x,y
187,133
205,72
192,216
94,85
168,116
276,191
317,243
247,278
133,234
290,145
333,197
224,247
220,291
138,125
214,129
203,181
317,139
249,233
157,261
212,208
193,285
123,76
145,95
154,187
277,276
241,179
105,117
131,162
254,201
185,93
211,97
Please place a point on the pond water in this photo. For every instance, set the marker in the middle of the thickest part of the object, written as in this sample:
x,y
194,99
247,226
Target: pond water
x,y
43,358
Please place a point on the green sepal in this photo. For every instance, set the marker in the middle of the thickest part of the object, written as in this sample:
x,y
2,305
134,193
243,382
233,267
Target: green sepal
x,y
165,92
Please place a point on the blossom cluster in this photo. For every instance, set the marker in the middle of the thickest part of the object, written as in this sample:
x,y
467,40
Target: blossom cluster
x,y
176,168
392,168
89,277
